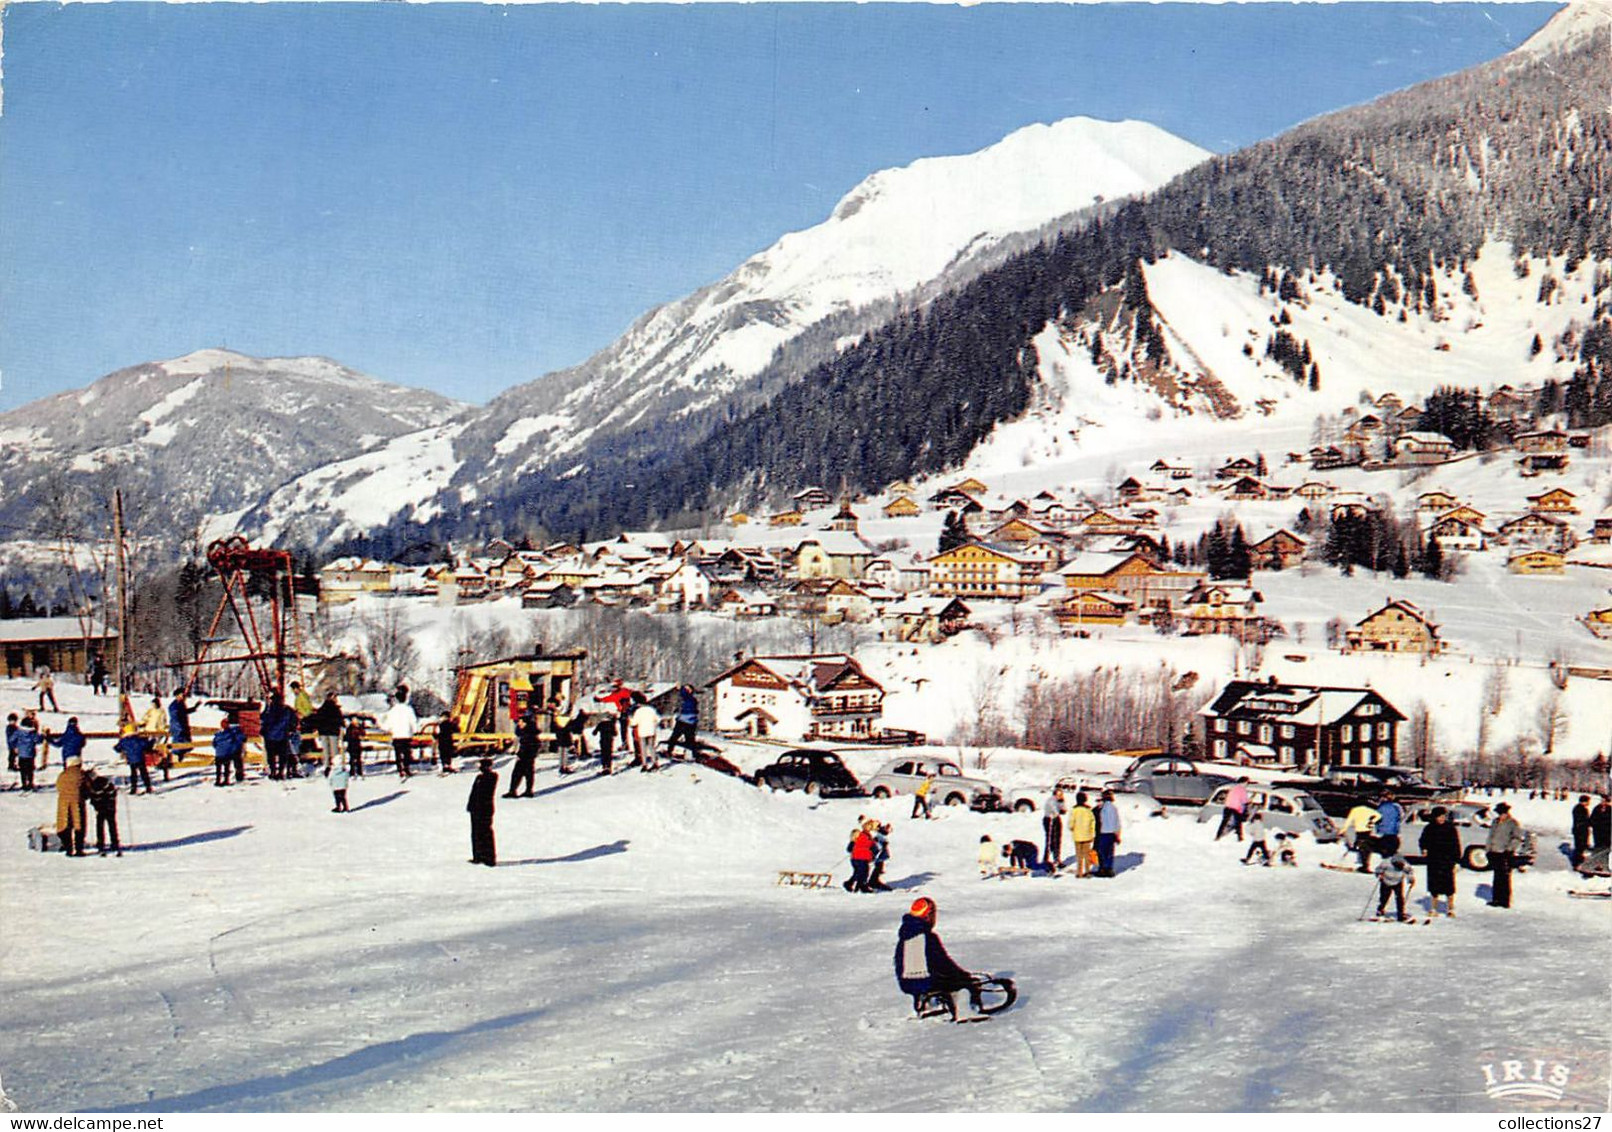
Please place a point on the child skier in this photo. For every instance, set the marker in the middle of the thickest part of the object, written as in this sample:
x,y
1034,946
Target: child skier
x,y
1394,878
1256,835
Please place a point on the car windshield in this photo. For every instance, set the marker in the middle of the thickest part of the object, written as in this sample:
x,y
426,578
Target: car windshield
x,y
830,760
950,770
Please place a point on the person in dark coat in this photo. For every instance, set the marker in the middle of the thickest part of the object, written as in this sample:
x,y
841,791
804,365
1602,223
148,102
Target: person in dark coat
x,y
326,722
229,743
103,796
1505,838
483,800
1581,830
12,727
277,725
179,722
605,727
447,738
1441,845
71,741
135,749
1600,823
687,723
922,964
355,747
526,744
96,673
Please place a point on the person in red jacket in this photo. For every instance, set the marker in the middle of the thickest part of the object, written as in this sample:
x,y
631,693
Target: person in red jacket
x,y
861,849
620,697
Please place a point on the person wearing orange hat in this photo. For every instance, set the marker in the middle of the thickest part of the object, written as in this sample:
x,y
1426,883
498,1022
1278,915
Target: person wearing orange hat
x,y
922,964
135,749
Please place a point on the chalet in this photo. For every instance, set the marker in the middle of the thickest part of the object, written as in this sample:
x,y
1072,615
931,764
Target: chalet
x,y
738,518
1132,489
811,497
1179,494
1293,725
1556,501
844,519
902,487
1508,404
1323,457
1245,488
1094,607
748,564
1537,562
1542,451
975,570
1423,448
1397,627
1018,509
1050,512
1215,607
1016,530
1106,522
845,601
1365,432
1133,575
463,585
901,507
798,698
1599,622
970,486
1601,530
1236,467
1313,490
686,586
1466,513
1536,530
1388,403
1436,500
1353,505
1278,550
950,499
786,519
548,595
831,554
1171,469
1409,417
345,578
926,619
744,603
61,644
1452,532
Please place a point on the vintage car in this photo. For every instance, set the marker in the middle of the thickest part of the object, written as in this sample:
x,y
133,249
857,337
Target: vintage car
x,y
952,787
1472,821
1165,778
1289,810
814,771
1342,788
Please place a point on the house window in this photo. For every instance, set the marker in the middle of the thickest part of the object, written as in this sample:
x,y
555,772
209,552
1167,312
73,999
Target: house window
x,y
1385,755
1220,749
1244,727
1265,733
1220,725
1287,731
1382,731
1348,733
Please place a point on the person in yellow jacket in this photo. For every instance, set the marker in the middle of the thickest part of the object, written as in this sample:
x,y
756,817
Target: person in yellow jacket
x,y
1083,832
154,726
1358,830
70,798
920,797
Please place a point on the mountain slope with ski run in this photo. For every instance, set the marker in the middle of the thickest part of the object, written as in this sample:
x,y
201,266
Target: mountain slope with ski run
x,y
899,231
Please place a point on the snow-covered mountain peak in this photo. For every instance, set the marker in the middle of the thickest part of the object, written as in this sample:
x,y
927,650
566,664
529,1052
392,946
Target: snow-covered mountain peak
x,y
1570,27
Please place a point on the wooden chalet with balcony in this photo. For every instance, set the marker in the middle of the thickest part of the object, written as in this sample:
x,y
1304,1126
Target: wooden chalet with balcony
x,y
1312,727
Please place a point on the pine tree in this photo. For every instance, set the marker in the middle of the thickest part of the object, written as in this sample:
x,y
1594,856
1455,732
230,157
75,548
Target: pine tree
x,y
953,532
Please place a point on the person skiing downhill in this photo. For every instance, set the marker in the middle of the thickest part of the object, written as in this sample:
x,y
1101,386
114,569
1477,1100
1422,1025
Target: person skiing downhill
x,y
922,963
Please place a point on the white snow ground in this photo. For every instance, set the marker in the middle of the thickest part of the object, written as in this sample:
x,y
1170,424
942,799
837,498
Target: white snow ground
x,y
257,952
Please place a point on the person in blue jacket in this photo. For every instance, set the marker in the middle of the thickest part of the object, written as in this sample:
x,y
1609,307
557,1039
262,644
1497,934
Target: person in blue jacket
x,y
179,723
687,723
1107,835
134,747
278,725
228,745
28,741
1389,818
70,742
922,964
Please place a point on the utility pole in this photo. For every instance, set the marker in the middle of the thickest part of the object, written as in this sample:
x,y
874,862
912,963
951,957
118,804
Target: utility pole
x,y
123,601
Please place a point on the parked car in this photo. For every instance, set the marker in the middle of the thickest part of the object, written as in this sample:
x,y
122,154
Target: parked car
x,y
952,787
1030,800
814,771
1289,810
1472,821
1165,778
1342,788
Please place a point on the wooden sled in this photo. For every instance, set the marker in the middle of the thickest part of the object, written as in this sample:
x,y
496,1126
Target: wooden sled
x,y
794,878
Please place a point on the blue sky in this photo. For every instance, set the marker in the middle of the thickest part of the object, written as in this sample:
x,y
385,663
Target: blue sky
x,y
465,197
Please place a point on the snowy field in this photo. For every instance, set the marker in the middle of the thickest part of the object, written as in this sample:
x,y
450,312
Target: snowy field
x,y
255,951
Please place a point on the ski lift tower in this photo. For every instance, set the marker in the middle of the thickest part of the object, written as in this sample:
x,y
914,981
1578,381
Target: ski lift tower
x,y
259,597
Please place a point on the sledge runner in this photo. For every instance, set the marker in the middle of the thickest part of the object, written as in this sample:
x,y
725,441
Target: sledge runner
x,y
1394,879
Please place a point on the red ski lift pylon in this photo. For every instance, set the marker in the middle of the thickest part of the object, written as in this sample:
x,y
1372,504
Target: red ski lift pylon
x,y
259,596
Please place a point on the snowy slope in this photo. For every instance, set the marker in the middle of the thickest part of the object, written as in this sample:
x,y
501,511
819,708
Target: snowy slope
x,y
259,953
895,233
205,433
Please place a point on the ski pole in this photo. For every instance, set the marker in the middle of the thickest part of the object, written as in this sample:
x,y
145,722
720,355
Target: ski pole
x,y
1367,908
128,809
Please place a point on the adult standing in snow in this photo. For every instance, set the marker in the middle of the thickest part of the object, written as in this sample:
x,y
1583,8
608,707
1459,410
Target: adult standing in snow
x,y
1441,847
447,743
179,713
1108,834
276,725
1083,832
70,741
154,726
302,704
1505,839
326,723
1395,879
95,673
45,685
1600,823
1389,817
483,800
1357,833
526,743
135,749
12,727
922,964
620,698
564,741
645,722
70,816
1236,807
687,723
604,729
28,740
1052,811
401,723
1581,830
103,795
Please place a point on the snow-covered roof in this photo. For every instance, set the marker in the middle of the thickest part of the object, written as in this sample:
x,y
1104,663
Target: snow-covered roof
x,y
18,630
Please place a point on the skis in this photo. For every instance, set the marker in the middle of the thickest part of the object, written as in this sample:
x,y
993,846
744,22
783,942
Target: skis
x,y
1339,868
